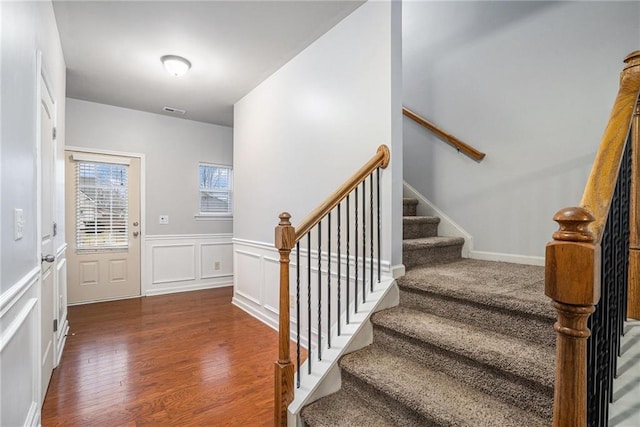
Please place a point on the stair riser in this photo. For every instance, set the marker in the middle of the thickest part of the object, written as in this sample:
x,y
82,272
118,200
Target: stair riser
x,y
529,328
518,391
409,209
431,255
384,404
419,230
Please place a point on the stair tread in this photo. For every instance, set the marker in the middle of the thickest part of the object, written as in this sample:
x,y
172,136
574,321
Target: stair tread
x,y
341,409
515,287
515,356
435,241
432,394
409,201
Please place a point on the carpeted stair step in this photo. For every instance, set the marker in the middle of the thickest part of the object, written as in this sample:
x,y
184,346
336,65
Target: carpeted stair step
x,y
431,250
415,227
503,297
411,394
409,206
342,409
513,370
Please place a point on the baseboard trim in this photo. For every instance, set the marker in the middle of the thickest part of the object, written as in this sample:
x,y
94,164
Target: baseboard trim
x,y
512,258
196,287
251,311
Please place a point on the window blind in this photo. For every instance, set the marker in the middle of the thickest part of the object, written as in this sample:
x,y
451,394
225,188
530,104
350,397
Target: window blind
x,y
102,205
215,189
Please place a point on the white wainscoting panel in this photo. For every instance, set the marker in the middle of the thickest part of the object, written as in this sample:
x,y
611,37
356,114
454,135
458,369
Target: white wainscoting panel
x,y
257,280
20,353
177,263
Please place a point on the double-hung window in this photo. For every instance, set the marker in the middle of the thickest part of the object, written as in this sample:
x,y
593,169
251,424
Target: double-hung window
x,y
216,190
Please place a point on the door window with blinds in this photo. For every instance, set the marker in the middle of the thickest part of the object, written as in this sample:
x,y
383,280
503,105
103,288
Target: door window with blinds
x,y
102,205
215,189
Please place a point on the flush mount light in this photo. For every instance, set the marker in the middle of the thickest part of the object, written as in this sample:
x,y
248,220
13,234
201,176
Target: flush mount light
x,y
175,65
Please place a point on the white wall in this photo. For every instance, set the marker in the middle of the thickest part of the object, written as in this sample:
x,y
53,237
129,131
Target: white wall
x,y
303,131
25,28
172,147
529,83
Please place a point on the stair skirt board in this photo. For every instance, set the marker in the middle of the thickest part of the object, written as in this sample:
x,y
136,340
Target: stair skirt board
x,y
325,376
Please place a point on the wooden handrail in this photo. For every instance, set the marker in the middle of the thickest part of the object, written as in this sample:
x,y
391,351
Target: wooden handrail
x,y
459,145
381,159
602,180
286,237
573,258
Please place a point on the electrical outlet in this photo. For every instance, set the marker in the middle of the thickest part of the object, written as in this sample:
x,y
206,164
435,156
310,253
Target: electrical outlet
x,y
216,265
164,219
18,224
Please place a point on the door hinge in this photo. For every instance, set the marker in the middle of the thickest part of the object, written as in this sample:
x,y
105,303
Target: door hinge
x,y
55,325
54,132
55,229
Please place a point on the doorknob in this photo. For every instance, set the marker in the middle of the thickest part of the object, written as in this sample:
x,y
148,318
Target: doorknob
x,y
48,258
135,224
135,234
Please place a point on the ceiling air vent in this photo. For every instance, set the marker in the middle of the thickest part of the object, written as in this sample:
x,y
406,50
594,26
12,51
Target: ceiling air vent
x,y
174,110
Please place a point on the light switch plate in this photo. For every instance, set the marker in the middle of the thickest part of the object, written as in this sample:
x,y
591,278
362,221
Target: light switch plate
x,y
164,219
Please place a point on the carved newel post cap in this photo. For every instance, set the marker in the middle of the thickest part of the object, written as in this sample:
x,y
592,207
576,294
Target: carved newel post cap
x,y
632,59
574,225
285,218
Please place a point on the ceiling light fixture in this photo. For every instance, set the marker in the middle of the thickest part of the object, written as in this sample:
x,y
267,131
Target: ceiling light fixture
x,y
175,65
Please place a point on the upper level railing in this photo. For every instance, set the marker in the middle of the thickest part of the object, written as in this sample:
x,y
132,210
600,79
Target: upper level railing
x,y
319,319
596,252
455,142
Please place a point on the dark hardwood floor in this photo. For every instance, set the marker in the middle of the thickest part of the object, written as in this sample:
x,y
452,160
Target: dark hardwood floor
x,y
180,360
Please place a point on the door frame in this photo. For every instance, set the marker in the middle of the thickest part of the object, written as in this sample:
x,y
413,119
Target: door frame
x,y
42,76
143,204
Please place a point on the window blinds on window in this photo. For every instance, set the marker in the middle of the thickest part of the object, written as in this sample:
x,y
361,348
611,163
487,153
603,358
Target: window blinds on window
x,y
102,205
215,189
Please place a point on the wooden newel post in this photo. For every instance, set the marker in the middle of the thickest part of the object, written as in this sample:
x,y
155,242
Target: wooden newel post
x,y
572,281
284,370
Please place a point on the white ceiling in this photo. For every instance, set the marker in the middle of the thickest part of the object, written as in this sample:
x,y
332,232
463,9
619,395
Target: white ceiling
x,y
112,49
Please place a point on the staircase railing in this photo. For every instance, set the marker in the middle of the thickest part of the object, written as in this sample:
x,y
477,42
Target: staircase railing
x,y
445,136
595,252
345,301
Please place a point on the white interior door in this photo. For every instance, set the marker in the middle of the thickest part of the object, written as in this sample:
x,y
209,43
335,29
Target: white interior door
x,y
103,227
47,300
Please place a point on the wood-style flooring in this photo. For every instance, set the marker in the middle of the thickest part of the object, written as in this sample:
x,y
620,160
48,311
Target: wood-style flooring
x,y
188,359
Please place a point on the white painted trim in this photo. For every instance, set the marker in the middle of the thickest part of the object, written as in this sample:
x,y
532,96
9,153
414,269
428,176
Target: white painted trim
x,y
221,236
447,226
398,271
143,196
33,416
15,292
90,157
197,287
385,266
209,217
513,258
8,332
180,279
61,249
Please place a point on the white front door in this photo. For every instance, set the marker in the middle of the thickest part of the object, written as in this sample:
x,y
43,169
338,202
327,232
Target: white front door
x,y
103,226
47,300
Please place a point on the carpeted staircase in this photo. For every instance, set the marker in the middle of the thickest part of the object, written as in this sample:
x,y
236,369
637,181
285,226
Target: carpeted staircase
x,y
471,344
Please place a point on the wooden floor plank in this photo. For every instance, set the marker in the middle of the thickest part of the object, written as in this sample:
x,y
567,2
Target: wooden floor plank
x,y
188,359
